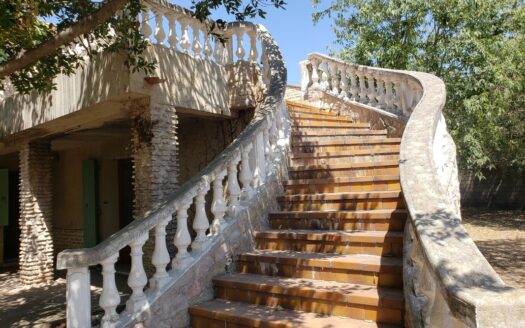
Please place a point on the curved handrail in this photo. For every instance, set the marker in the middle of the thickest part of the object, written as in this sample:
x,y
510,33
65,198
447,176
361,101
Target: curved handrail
x,y
448,282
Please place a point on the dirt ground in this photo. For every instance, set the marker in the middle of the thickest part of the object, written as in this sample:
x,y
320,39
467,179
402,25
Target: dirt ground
x,y
500,236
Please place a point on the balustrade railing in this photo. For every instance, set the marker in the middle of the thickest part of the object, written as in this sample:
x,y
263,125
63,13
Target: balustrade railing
x,y
447,281
376,88
243,165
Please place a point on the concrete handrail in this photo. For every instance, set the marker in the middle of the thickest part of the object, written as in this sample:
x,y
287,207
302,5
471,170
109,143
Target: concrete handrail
x,y
448,282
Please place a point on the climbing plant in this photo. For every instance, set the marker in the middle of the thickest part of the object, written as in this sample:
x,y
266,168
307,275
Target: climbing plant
x,y
40,39
476,46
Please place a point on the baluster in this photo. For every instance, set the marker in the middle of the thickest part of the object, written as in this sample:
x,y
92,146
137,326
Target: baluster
x,y
239,33
234,190
200,222
78,298
344,83
389,96
161,257
110,298
172,35
325,84
397,96
274,133
218,54
185,38
246,175
218,206
197,46
208,51
266,137
353,82
182,236
305,77
362,86
265,67
254,54
229,47
145,27
260,162
380,91
159,28
335,79
315,74
137,279
371,89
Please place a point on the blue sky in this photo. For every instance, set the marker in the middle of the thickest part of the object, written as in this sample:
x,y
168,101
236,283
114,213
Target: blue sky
x,y
294,31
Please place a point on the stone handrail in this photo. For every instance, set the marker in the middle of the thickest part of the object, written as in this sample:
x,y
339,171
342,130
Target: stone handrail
x,y
382,90
448,282
253,150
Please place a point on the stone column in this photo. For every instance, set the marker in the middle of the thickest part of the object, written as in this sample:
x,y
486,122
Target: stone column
x,y
36,210
155,162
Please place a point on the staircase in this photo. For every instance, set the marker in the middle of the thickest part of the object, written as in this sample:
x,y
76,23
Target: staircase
x,y
333,256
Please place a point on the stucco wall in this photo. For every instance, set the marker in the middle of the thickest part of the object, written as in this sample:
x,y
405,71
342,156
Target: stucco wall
x,y
499,189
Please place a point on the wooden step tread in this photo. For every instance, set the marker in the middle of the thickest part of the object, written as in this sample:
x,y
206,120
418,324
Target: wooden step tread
x,y
342,166
341,196
347,153
372,178
331,291
348,142
360,262
332,236
249,315
381,214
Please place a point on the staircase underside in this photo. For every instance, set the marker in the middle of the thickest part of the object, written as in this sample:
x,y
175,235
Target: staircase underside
x,y
333,256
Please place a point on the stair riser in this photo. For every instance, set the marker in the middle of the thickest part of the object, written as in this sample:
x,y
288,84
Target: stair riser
x,y
388,278
341,160
362,172
343,187
346,205
333,138
388,248
339,148
327,126
339,224
351,310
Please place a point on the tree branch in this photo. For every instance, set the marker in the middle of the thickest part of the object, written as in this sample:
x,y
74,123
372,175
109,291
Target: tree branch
x,y
66,36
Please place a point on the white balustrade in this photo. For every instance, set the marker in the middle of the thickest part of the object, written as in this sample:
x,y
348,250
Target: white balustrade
x,y
173,40
137,279
182,236
196,46
161,257
246,176
110,298
344,82
145,27
254,54
335,78
160,34
200,222
218,206
240,52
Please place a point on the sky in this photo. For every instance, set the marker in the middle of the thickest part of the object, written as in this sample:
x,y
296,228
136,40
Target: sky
x,y
294,32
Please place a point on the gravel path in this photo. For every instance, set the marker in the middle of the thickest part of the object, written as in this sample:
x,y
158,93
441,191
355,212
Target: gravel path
x,y
500,236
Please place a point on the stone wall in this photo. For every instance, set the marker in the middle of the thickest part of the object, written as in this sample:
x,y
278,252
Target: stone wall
x,y
67,239
499,189
36,211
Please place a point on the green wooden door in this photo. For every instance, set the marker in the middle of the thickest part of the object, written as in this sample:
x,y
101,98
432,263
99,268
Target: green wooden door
x,y
4,197
90,202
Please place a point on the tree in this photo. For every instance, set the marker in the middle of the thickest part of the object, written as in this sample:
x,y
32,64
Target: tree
x,y
33,51
476,46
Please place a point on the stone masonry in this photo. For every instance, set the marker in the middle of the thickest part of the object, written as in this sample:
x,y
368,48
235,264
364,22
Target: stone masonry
x,y
154,140
36,210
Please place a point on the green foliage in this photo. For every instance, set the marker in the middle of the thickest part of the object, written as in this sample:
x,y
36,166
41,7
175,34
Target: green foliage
x,y
23,26
476,46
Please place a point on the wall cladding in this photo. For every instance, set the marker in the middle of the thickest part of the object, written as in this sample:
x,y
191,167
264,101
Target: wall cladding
x,y
498,190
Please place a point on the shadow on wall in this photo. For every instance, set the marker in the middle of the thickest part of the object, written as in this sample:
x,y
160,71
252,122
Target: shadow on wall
x,y
498,190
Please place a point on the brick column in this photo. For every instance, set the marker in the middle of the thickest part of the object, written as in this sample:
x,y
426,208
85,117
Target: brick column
x,y
36,210
155,165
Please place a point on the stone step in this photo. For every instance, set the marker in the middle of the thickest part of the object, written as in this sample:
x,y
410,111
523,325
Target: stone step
x,y
346,159
338,242
355,301
294,106
344,134
391,150
374,220
317,124
297,115
227,314
343,170
343,184
342,201
349,268
345,145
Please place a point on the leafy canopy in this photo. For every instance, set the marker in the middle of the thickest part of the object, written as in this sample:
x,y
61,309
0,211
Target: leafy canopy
x,y
24,26
476,46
